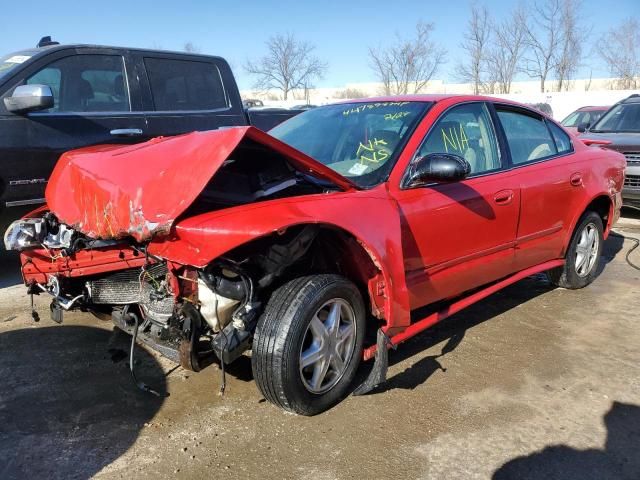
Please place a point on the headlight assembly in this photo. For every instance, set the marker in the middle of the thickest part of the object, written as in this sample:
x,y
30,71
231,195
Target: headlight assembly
x,y
25,233
37,232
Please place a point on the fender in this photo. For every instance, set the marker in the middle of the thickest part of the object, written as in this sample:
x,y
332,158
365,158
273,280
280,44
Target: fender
x,y
614,212
199,240
609,185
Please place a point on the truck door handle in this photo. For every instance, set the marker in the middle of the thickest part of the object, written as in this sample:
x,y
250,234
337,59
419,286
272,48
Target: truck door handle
x,y
503,197
126,132
576,179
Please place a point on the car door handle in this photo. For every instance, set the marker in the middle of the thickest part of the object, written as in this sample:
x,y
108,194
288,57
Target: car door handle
x,y
503,197
576,179
126,132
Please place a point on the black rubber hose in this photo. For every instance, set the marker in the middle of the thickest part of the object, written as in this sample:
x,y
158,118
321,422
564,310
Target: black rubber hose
x,y
142,386
630,251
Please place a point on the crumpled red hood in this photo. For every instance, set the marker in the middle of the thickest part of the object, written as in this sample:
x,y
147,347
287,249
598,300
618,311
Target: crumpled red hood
x,y
112,191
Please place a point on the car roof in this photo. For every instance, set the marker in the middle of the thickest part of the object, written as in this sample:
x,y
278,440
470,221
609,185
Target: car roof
x,y
593,108
32,52
431,98
635,98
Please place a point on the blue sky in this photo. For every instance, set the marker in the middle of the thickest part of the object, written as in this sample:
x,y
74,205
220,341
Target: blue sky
x,y
236,30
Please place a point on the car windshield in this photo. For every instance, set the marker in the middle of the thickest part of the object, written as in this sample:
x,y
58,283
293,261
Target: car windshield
x,y
624,117
11,61
360,141
582,116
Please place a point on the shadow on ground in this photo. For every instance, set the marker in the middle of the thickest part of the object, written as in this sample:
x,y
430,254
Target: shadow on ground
x,y
67,404
9,268
618,460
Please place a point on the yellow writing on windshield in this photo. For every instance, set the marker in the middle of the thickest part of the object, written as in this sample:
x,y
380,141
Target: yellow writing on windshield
x,y
373,151
370,106
455,138
395,116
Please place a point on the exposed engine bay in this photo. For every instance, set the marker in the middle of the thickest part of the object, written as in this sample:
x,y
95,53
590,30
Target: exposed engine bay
x,y
185,313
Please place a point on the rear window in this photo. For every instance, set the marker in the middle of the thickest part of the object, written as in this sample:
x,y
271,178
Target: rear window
x,y
563,142
527,135
185,85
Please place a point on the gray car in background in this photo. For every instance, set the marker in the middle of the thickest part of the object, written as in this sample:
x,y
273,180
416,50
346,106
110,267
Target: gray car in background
x,y
621,126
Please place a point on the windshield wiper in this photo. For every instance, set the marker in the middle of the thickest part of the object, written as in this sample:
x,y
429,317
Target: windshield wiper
x,y
317,181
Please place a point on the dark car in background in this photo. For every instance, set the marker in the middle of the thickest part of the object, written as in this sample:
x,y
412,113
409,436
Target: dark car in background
x,y
55,98
620,126
584,116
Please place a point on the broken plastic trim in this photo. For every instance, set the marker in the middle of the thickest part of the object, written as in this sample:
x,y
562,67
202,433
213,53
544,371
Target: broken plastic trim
x,y
65,303
378,373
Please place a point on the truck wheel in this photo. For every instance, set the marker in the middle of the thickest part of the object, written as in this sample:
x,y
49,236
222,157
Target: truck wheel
x,y
583,255
308,343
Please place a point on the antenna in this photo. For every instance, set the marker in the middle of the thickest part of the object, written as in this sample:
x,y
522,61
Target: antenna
x,y
46,41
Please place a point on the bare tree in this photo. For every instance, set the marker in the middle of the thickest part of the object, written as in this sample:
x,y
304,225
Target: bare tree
x,y
409,64
475,44
573,36
543,39
350,93
620,49
191,48
507,46
288,65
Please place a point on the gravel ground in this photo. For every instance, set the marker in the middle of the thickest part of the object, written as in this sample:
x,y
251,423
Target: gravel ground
x,y
531,383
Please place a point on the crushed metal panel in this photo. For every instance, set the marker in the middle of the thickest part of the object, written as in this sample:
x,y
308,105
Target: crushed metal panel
x,y
139,191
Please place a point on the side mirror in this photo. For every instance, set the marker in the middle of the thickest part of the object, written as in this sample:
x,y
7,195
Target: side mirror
x,y
29,98
438,167
583,127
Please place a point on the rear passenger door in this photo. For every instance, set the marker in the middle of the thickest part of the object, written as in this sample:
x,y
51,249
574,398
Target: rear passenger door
x,y
185,93
95,102
550,180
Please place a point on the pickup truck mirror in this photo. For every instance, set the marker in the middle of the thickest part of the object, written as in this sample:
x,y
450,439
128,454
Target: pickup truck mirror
x,y
438,167
583,127
29,98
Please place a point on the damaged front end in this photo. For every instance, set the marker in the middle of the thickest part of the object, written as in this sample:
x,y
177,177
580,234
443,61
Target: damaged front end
x,y
99,245
187,314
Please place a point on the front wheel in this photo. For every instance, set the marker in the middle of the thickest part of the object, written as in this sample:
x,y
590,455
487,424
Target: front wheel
x,y
308,343
583,254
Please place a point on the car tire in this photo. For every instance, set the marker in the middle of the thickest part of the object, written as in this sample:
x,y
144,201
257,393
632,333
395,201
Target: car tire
x,y
299,324
583,255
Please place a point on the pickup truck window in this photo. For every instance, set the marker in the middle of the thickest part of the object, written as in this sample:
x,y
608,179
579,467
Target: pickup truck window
x,y
85,83
52,77
360,141
465,130
179,85
527,135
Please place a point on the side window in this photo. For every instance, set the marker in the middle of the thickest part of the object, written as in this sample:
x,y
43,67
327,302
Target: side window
x,y
85,83
465,130
563,142
52,77
185,85
527,135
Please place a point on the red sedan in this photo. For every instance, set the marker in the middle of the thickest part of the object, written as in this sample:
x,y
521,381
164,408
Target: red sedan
x,y
343,221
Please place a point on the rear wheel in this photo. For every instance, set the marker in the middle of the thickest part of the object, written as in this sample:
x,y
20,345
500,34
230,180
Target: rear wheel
x,y
308,343
583,254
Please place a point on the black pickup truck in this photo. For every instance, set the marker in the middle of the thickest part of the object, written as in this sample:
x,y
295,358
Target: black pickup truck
x,y
56,98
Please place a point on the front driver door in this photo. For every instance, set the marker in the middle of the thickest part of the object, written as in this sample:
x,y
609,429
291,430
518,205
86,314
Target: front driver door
x,y
457,236
94,103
